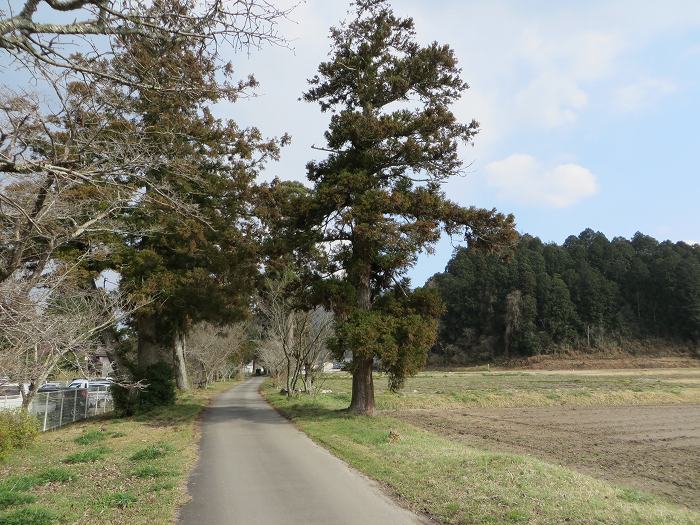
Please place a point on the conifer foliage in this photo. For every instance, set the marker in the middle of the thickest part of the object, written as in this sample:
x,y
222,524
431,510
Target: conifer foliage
x,y
377,201
590,292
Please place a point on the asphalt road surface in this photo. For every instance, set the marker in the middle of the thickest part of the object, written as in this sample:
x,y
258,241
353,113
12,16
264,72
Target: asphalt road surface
x,y
256,468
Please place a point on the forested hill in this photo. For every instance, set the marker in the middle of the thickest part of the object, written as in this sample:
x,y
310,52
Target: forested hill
x,y
590,291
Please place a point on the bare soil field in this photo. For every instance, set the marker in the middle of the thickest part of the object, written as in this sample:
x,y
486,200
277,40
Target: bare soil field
x,y
655,449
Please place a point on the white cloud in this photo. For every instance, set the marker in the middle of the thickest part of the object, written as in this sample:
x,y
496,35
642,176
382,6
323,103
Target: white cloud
x,y
522,178
692,243
552,100
643,93
563,64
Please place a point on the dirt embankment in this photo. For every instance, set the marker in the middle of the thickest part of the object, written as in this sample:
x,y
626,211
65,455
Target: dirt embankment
x,y
598,362
651,448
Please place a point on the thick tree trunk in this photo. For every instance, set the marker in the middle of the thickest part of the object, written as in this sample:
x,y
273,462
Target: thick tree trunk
x,y
180,367
151,349
362,401
157,347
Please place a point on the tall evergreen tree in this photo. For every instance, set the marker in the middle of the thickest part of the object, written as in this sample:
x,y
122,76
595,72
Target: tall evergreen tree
x,y
392,141
195,251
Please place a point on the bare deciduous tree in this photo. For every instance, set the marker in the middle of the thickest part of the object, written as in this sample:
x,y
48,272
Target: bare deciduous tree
x,y
83,24
294,342
215,353
53,323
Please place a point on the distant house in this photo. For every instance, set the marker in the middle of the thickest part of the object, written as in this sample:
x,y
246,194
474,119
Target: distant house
x,y
102,363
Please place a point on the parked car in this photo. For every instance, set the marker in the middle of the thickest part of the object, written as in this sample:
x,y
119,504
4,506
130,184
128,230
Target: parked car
x,y
10,396
91,389
50,387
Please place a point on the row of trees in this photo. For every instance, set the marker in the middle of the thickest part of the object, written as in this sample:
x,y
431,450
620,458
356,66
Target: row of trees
x,y
123,171
127,172
588,292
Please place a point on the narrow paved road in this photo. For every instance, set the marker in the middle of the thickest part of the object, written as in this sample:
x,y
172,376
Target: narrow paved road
x,y
256,468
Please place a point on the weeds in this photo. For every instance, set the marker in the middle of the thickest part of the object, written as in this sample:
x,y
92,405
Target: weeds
x,y
120,500
28,516
87,456
91,437
10,499
154,451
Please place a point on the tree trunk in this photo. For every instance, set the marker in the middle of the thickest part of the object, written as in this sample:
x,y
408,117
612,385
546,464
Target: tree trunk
x,y
180,367
588,335
362,401
151,350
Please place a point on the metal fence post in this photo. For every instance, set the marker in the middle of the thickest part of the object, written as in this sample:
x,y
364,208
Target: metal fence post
x,y
46,410
60,416
75,404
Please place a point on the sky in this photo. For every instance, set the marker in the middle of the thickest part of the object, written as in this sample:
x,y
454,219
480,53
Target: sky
x,y
589,111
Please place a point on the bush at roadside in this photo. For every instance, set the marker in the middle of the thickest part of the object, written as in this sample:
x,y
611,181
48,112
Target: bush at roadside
x,y
159,391
17,429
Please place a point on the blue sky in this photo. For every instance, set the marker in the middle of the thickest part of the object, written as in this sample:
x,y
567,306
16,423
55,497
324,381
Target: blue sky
x,y
589,110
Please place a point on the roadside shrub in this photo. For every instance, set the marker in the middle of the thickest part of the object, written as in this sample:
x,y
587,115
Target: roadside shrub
x,y
9,499
87,456
155,451
160,391
28,516
17,429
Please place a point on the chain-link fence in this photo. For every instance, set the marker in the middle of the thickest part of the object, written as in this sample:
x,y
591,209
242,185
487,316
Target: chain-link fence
x,y
61,407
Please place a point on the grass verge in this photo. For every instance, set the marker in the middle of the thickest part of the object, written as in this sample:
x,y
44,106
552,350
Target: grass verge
x,y
457,484
104,470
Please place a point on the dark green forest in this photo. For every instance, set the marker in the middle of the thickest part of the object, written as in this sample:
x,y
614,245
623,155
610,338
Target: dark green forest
x,y
589,293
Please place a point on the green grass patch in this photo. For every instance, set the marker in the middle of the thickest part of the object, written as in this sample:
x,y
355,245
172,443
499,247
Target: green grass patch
x,y
11,499
635,496
84,499
458,484
55,475
155,451
120,500
19,482
161,486
88,456
28,516
22,483
103,492
90,437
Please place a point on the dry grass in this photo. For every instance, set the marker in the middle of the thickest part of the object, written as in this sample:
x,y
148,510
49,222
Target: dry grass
x,y
450,390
